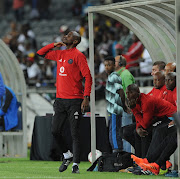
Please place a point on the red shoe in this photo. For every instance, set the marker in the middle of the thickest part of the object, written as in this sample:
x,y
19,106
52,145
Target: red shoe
x,y
152,167
138,160
168,164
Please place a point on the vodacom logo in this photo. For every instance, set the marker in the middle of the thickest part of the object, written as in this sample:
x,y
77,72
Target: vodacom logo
x,y
62,71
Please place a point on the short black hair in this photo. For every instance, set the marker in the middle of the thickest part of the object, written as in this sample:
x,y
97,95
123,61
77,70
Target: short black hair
x,y
160,64
172,74
110,58
76,36
133,87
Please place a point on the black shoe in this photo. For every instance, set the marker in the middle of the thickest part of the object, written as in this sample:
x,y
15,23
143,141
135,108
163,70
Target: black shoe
x,y
65,164
139,171
75,169
131,169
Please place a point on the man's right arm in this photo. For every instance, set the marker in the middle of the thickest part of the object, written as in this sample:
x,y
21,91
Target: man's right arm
x,y
47,52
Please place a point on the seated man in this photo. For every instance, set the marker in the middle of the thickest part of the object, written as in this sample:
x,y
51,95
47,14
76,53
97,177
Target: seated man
x,y
170,93
159,84
8,107
150,113
164,141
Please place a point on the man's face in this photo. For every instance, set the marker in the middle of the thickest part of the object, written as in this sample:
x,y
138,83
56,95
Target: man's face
x,y
132,97
68,39
155,69
109,66
158,81
170,82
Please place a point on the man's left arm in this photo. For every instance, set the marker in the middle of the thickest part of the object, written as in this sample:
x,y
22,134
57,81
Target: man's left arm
x,y
146,119
84,68
124,105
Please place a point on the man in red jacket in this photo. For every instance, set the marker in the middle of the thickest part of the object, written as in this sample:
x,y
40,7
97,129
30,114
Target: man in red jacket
x,y
159,84
71,99
170,93
150,113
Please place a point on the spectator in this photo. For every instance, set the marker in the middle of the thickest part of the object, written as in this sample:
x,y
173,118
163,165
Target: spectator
x,y
77,8
115,105
112,43
85,5
103,47
43,8
170,67
18,7
46,70
28,36
119,49
23,66
34,14
83,45
81,28
33,70
127,79
13,34
8,107
145,64
133,55
126,39
158,66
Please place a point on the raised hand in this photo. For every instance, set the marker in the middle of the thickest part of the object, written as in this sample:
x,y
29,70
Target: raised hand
x,y
59,44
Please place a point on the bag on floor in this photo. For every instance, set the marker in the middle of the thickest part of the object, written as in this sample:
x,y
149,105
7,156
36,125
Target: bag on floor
x,y
112,162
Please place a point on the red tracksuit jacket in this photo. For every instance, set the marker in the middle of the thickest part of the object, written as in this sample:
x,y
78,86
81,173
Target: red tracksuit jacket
x,y
71,68
157,92
148,107
170,96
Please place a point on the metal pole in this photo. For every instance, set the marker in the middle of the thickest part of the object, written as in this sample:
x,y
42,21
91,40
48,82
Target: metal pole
x,y
177,17
92,104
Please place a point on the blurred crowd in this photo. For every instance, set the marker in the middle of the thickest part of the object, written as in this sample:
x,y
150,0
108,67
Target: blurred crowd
x,y
111,38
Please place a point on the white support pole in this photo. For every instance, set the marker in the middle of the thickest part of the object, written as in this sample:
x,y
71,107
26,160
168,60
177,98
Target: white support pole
x,y
92,104
177,16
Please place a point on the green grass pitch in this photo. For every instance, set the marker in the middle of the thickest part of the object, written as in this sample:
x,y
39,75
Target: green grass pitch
x,y
13,168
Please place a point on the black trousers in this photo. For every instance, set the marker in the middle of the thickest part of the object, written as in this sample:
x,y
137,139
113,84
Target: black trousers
x,y
141,144
67,109
163,145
